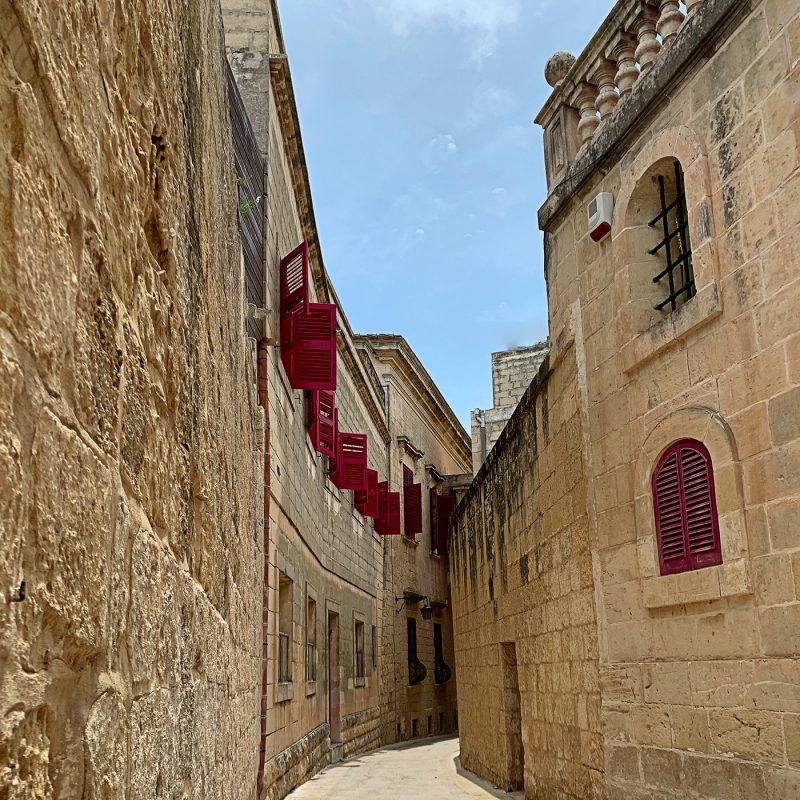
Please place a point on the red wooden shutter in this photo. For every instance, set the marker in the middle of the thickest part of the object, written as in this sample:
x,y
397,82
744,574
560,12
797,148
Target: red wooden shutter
x,y
412,503
350,468
308,347
388,521
307,330
294,278
322,422
367,501
408,475
684,501
445,506
393,514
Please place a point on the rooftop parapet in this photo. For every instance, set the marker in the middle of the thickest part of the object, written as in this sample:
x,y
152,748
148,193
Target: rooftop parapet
x,y
590,90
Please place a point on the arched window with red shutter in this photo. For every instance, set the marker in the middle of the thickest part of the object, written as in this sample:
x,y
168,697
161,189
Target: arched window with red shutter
x,y
685,505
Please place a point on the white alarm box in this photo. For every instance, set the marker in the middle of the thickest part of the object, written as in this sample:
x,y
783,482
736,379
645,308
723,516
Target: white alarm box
x,y
601,214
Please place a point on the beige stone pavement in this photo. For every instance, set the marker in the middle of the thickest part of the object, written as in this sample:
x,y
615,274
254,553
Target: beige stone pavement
x,y
426,769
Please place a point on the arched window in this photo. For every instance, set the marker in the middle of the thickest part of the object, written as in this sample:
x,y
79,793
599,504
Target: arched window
x,y
685,504
672,225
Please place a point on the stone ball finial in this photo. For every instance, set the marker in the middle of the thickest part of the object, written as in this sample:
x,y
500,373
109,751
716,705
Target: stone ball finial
x,y
557,67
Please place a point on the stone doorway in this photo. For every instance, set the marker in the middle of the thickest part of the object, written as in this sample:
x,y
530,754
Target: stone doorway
x,y
334,702
512,718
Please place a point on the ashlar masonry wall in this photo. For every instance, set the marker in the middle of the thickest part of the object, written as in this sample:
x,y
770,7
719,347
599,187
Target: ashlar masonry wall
x,y
129,666
512,373
524,602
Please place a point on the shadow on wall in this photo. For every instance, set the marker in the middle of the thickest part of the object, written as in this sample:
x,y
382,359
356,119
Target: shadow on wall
x,y
487,787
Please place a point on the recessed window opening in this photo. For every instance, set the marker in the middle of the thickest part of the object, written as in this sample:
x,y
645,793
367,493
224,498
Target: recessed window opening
x,y
685,506
672,223
359,644
285,622
311,640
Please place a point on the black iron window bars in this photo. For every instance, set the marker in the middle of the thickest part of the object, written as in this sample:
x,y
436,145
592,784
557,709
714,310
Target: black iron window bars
x,y
674,223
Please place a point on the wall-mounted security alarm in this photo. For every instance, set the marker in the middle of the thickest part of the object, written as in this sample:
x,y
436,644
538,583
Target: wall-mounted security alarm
x,y
601,213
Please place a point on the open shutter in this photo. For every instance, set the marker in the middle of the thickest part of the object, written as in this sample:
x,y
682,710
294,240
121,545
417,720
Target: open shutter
x,y
388,521
366,502
308,347
445,506
294,279
322,421
412,502
349,471
684,501
307,330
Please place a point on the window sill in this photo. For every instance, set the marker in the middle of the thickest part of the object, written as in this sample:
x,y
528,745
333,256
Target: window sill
x,y
702,308
409,541
359,683
311,688
731,579
284,692
436,556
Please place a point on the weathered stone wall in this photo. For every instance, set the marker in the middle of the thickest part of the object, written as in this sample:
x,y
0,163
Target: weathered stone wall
x,y
523,587
128,455
701,671
512,373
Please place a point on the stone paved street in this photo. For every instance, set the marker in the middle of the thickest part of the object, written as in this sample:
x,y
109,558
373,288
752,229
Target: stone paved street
x,y
426,770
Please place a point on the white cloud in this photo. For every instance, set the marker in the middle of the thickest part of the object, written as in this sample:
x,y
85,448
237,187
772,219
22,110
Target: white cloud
x,y
420,231
489,102
481,18
444,145
498,190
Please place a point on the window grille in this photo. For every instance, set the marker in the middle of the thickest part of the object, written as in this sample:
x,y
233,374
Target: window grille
x,y
673,222
685,505
441,671
359,637
284,671
311,662
416,669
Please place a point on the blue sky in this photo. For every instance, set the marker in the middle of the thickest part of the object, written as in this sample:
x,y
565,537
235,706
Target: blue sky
x,y
426,168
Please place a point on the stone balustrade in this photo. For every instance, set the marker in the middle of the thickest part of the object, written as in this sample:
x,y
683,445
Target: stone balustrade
x,y
588,90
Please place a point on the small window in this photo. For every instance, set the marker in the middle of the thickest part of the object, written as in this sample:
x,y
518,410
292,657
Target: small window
x,y
374,647
285,621
685,505
441,671
359,644
672,225
311,640
414,728
416,669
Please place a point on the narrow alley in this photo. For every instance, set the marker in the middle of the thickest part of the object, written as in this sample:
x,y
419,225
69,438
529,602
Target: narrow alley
x,y
425,769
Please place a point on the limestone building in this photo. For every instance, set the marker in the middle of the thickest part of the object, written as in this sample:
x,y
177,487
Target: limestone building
x,y
336,652
429,461
512,373
626,565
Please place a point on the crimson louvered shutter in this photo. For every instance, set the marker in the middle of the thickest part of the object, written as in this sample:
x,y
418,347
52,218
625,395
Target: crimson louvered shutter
x,y
444,510
366,502
412,502
322,422
307,330
308,347
388,521
294,278
393,514
350,468
684,501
